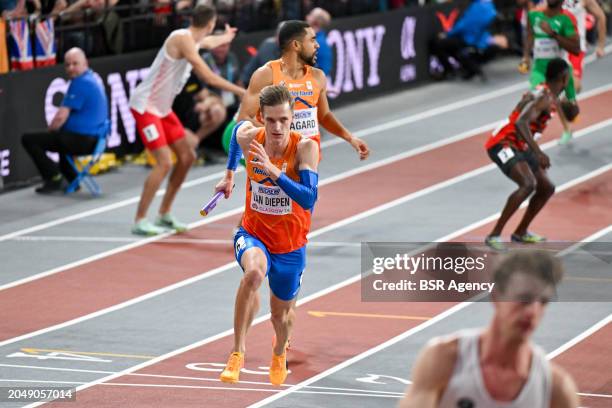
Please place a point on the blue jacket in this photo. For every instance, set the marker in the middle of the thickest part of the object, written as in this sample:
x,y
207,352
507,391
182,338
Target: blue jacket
x,y
88,105
473,24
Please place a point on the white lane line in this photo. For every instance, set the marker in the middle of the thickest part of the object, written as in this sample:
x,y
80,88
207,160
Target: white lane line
x,y
586,394
202,241
266,390
602,323
179,377
592,238
42,381
313,234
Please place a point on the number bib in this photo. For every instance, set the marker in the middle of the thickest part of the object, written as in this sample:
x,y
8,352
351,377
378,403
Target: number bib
x,y
270,200
505,154
305,122
546,48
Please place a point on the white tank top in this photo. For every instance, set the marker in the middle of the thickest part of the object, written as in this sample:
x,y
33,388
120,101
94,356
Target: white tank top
x,y
466,387
164,81
576,7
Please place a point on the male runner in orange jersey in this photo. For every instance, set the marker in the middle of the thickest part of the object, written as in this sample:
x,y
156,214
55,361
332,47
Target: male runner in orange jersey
x,y
281,191
308,86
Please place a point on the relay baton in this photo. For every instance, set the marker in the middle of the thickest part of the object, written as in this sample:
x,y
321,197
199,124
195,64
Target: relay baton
x,y
204,211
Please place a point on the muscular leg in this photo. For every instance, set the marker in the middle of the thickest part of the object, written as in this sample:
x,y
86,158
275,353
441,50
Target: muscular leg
x,y
282,318
577,84
185,157
521,174
254,263
163,163
543,191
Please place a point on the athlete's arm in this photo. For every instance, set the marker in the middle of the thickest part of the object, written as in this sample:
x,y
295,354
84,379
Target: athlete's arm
x,y
431,373
564,391
213,41
562,118
303,192
530,112
329,121
187,49
243,134
250,103
594,8
61,116
568,43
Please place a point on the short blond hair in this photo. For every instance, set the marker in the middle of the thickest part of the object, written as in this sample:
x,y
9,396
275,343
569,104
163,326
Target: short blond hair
x,y
274,95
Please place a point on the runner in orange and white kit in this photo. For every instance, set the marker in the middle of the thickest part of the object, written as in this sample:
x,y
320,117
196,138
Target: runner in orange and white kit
x,y
579,9
282,183
308,86
159,128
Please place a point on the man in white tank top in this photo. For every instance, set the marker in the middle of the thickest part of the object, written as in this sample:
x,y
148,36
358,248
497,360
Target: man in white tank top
x,y
498,366
159,128
579,9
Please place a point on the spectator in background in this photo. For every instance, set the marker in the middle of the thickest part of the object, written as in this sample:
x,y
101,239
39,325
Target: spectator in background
x,y
72,12
203,109
469,31
319,20
268,50
75,128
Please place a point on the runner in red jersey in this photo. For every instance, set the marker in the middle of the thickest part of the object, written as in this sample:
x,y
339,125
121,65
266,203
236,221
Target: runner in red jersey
x,y
514,149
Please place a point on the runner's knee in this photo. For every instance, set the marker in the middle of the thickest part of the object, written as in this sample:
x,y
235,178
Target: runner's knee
x,y
253,277
546,188
279,316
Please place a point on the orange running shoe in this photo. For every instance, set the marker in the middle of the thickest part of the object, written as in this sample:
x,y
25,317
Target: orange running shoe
x,y
231,374
278,368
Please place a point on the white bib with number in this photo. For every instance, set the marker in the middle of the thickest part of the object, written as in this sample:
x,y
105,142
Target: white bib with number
x,y
546,48
305,122
505,154
269,199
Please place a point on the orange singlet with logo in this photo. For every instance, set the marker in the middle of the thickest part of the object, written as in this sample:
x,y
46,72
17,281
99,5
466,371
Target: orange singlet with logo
x,y
270,215
305,92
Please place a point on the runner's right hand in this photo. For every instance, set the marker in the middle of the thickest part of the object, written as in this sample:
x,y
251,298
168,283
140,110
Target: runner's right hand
x,y
226,185
544,160
523,67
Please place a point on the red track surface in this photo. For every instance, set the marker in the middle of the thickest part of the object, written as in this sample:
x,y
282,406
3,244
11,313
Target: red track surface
x,y
589,363
322,343
103,283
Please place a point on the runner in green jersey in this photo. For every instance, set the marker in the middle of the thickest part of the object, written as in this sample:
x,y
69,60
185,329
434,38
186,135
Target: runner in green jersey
x,y
550,34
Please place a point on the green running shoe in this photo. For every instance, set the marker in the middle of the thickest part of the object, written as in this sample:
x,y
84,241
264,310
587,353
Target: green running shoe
x,y
146,228
170,221
565,138
495,242
528,238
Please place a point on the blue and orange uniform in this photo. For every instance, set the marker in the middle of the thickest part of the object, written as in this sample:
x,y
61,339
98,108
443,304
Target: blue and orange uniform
x,y
275,223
